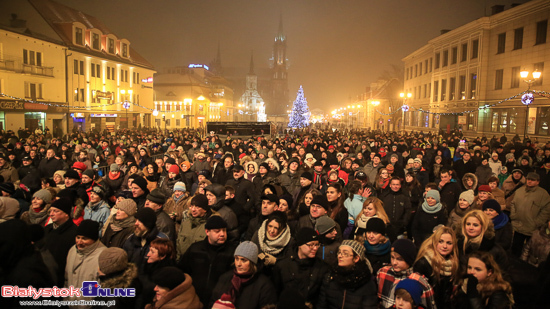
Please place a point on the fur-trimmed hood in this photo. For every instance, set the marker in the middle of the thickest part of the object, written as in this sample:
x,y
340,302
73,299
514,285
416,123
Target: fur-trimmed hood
x,y
8,208
245,160
469,175
121,280
274,162
247,164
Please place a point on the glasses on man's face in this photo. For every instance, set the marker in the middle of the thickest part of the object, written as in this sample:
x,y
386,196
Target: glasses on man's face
x,y
344,254
314,245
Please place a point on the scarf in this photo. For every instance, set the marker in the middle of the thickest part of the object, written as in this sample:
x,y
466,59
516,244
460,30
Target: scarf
x,y
462,212
37,217
273,246
352,277
177,199
119,225
378,249
384,183
114,176
447,267
431,209
500,220
237,283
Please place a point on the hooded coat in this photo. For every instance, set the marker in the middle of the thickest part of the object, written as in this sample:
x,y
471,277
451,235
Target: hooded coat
x,y
82,265
530,209
182,296
9,207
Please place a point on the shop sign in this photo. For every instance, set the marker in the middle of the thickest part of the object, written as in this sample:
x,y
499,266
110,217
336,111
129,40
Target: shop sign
x,y
104,95
77,115
462,120
103,115
7,104
36,106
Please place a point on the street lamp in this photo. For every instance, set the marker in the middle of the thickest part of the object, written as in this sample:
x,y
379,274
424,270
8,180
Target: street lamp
x,y
405,107
528,97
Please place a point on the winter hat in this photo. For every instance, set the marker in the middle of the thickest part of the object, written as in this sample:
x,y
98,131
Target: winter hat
x,y
7,187
318,163
44,195
169,277
114,167
468,195
307,175
264,165
406,249
517,170
434,194
438,157
174,169
376,225
484,188
147,216
533,176
215,222
390,168
79,165
179,186
417,160
64,204
248,250
356,246
156,196
61,173
128,206
201,201
88,228
271,198
97,190
509,156
186,163
112,260
288,199
170,161
305,235
410,161
493,204
141,183
413,287
394,155
320,200
72,174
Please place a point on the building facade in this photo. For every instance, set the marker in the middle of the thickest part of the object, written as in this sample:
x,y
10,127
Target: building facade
x,y
253,106
469,77
95,80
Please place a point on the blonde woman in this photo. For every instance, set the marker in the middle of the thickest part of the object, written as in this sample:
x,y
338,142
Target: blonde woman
x,y
438,261
372,208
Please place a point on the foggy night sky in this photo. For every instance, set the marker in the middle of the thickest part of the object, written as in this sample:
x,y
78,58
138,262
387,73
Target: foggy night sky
x,y
335,47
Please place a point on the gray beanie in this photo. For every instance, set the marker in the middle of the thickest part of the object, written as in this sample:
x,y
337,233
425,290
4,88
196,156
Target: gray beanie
x,y
248,250
509,156
44,195
324,224
356,246
468,195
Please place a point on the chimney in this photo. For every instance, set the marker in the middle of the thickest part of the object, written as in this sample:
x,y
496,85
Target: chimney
x,y
443,31
495,9
17,23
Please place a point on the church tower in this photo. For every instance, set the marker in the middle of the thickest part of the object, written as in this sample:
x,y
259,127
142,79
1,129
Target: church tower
x,y
254,106
279,81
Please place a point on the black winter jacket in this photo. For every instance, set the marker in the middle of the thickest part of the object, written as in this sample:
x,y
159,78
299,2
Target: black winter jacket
x,y
255,293
58,242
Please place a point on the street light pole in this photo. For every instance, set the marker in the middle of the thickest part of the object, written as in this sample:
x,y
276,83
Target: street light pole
x,y
527,98
404,96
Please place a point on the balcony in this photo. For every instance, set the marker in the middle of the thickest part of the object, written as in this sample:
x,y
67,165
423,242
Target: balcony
x,y
19,67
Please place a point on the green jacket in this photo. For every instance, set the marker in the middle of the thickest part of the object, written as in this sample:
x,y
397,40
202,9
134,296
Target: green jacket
x,y
530,209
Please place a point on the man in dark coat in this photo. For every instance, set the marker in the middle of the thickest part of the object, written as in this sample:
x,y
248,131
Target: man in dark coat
x,y
449,190
215,193
302,271
224,172
26,167
207,260
49,165
155,200
398,208
72,182
245,194
465,165
270,203
60,235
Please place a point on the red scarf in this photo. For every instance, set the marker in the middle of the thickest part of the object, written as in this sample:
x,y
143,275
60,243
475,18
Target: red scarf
x,y
236,285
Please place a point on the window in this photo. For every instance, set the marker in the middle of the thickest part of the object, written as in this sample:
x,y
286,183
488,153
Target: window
x,y
494,123
473,86
111,46
431,62
125,50
443,89
108,73
415,70
462,87
426,66
78,36
543,120
75,66
113,73
33,91
121,75
540,68
499,75
437,59
76,95
472,121
95,41
92,71
501,45
464,55
82,95
420,68
454,55
436,90
503,121
445,58
452,88
407,74
515,77
126,76
512,122
98,70
81,67
425,90
518,38
542,30
137,79
39,59
31,58
475,48
25,56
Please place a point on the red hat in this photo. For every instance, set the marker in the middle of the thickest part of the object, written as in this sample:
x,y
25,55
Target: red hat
x,y
484,188
331,147
242,155
79,165
174,169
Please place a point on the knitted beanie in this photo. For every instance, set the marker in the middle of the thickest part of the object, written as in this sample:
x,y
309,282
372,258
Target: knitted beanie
x,y
156,196
169,277
356,246
179,186
492,204
324,224
406,249
128,206
484,188
468,195
79,165
174,169
64,204
112,260
248,250
413,287
89,173
147,216
43,194
434,194
72,174
320,200
114,167
141,183
305,235
7,187
215,223
88,228
201,201
97,190
307,175
376,225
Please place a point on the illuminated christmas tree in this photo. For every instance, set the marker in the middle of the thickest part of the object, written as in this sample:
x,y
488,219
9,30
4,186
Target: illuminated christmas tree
x,y
299,116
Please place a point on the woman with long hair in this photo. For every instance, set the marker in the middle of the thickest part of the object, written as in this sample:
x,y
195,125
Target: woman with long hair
x,y
438,261
483,285
478,234
337,211
382,182
413,189
372,208
273,238
303,205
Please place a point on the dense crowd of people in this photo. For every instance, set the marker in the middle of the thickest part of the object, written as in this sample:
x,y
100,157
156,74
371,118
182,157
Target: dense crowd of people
x,y
312,219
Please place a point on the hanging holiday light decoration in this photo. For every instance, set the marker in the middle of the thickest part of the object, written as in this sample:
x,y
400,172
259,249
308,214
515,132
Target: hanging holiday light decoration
x,y
405,108
126,104
527,98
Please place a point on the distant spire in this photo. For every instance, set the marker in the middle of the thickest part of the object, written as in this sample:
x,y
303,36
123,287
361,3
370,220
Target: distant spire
x,y
280,35
251,64
219,56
